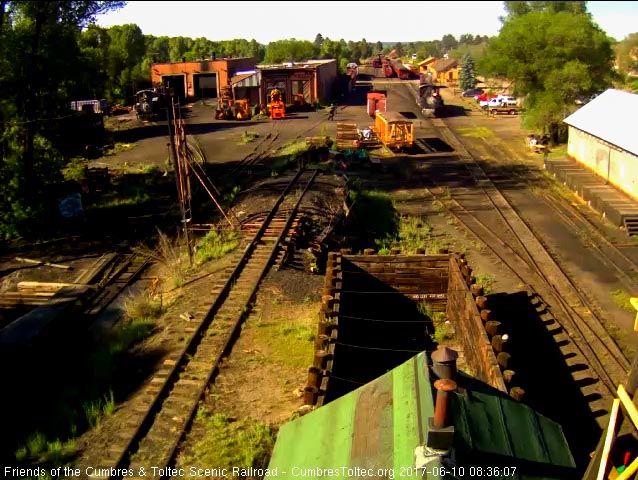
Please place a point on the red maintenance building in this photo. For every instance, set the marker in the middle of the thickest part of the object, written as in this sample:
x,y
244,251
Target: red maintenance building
x,y
199,78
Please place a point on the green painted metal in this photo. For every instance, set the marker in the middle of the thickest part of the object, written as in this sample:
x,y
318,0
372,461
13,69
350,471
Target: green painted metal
x,y
374,431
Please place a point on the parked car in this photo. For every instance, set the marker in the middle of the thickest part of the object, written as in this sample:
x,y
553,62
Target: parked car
x,y
472,92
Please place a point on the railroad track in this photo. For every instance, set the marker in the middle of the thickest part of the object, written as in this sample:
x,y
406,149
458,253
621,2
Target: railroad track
x,y
606,250
528,258
119,274
264,148
161,416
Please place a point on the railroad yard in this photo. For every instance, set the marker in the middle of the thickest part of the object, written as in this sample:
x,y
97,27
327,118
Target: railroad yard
x,y
218,355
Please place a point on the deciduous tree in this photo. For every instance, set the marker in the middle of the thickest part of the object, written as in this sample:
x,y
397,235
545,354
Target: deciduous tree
x,y
552,58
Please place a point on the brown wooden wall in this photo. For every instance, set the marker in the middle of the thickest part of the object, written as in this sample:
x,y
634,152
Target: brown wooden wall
x,y
464,314
418,277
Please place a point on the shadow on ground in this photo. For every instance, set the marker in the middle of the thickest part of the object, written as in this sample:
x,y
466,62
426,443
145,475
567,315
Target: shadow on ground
x,y
541,370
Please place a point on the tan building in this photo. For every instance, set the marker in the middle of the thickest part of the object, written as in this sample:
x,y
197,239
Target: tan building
x,y
424,66
602,137
443,70
200,78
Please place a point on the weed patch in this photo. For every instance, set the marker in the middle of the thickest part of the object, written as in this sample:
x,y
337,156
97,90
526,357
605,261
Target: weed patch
x,y
476,132
288,341
486,281
621,298
247,137
443,330
119,147
215,245
231,443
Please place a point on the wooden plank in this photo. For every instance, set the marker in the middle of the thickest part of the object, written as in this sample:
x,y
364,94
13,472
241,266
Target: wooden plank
x,y
40,262
628,404
41,286
89,276
611,433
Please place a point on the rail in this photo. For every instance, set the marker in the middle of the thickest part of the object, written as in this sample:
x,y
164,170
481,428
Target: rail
x,y
586,330
162,415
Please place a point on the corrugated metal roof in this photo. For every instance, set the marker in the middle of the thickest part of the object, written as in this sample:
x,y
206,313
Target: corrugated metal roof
x,y
246,80
379,426
609,117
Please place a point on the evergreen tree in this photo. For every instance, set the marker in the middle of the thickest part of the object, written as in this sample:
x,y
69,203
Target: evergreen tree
x,y
467,75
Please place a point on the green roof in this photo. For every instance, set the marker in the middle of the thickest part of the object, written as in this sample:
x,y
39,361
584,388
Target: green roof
x,y
378,427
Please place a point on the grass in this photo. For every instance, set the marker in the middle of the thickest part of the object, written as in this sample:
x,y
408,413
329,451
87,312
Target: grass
x,y
215,244
247,137
230,443
288,340
86,398
443,329
621,298
141,308
373,215
120,147
96,410
476,132
413,234
287,156
486,281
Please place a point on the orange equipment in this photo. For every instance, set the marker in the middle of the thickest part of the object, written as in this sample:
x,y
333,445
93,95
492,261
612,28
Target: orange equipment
x,y
241,110
276,107
224,106
394,130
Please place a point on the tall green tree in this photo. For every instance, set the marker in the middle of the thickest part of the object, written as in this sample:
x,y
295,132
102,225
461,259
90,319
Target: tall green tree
x,y
552,58
627,54
519,8
42,69
291,50
467,75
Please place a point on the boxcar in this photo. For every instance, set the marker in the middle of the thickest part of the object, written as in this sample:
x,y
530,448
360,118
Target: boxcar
x,y
394,130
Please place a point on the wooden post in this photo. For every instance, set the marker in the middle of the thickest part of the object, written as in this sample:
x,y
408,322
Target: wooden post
x,y
504,360
499,343
517,393
477,290
481,302
314,377
508,376
492,327
321,357
321,342
310,395
486,315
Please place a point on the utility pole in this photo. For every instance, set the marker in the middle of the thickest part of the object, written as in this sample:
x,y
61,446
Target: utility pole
x,y
174,160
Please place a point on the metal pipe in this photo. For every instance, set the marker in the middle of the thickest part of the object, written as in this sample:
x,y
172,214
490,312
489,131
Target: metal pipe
x,y
442,406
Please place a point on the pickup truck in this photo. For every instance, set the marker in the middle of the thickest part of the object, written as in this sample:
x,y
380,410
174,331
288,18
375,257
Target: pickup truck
x,y
495,106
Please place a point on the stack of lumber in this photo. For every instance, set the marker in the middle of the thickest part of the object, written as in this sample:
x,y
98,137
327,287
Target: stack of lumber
x,y
347,136
25,329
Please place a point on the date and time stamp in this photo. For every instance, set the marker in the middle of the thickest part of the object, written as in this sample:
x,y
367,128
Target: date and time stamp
x,y
434,471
